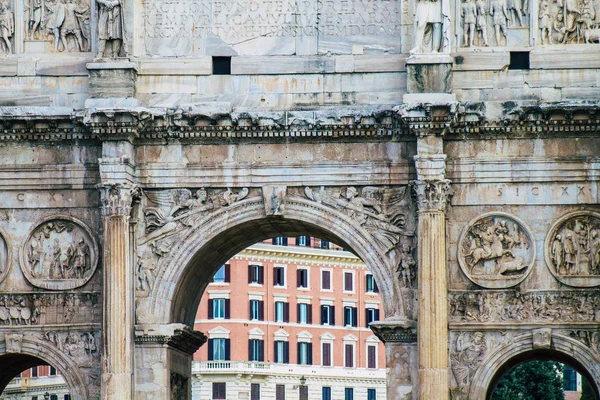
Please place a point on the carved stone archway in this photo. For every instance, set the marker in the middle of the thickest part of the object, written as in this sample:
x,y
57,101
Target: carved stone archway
x,y
524,348
26,352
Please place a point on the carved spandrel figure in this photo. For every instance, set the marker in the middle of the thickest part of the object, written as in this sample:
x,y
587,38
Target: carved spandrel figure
x,y
481,21
7,26
545,24
469,16
499,15
406,266
429,31
468,355
110,28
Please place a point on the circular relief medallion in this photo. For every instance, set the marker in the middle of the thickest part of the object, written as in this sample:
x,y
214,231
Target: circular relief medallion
x,y
4,257
573,249
496,251
59,254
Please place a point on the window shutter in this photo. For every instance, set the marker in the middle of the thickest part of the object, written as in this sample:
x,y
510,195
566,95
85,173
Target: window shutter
x,y
367,317
261,310
371,354
309,351
326,354
332,311
377,315
375,287
227,273
210,308
275,352
298,278
286,312
250,309
348,349
210,349
227,353
299,352
354,317
250,358
298,311
249,273
309,313
286,352
261,274
227,308
261,350
274,276
323,319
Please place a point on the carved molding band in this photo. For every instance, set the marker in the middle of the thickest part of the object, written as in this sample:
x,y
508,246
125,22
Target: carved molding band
x,y
496,250
432,195
185,339
572,249
395,332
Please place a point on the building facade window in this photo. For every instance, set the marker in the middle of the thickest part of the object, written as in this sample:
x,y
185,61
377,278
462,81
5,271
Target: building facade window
x,y
371,394
257,309
279,392
349,355
282,311
304,313
348,282
371,356
303,392
302,278
280,241
53,397
326,393
326,355
256,350
327,314
222,274
303,241
325,279
370,284
255,391
53,371
371,315
325,244
350,316
218,309
34,372
304,353
348,393
256,274
219,391
282,352
278,276
218,349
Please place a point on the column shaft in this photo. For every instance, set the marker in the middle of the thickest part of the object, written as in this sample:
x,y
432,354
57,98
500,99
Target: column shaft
x,y
433,314
117,321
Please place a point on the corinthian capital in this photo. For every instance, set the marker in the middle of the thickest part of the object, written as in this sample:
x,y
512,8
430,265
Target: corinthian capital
x,y
432,195
117,199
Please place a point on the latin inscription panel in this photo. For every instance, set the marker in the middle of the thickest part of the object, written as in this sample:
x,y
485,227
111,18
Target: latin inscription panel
x,y
271,27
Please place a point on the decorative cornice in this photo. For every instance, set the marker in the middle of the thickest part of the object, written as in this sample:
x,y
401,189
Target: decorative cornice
x,y
117,199
389,331
296,255
186,340
432,195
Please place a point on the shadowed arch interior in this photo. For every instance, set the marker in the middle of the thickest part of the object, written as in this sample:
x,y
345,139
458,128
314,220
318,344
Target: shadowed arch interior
x,y
12,365
540,355
225,245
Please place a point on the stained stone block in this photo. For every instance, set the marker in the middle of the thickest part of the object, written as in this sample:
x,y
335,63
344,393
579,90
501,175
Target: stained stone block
x,y
112,79
429,74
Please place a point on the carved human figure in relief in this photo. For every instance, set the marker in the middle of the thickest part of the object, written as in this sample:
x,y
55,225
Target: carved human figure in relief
x,y
499,15
7,26
34,15
406,267
545,24
469,352
575,249
469,15
514,8
429,20
481,21
110,28
81,258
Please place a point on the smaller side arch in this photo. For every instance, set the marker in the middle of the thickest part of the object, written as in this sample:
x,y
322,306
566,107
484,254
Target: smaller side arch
x,y
562,348
32,352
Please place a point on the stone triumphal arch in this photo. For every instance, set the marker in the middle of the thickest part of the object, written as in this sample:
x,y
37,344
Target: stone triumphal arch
x,y
143,143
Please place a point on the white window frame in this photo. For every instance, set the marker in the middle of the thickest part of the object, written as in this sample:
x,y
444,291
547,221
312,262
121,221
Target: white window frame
x,y
372,341
307,269
329,339
256,264
353,273
218,301
330,279
350,340
285,277
372,277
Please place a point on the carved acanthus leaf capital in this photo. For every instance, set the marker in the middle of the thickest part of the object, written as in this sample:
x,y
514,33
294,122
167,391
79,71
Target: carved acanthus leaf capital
x,y
117,199
432,195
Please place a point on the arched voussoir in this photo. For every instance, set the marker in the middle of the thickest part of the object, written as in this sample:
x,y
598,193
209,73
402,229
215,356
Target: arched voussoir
x,y
31,352
186,271
521,349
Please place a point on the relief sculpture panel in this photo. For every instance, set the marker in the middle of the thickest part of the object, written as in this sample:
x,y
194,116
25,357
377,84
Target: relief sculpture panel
x,y
573,249
568,21
496,251
57,26
7,27
494,23
59,254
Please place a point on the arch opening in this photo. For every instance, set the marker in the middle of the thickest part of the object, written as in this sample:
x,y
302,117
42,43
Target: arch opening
x,y
510,376
27,376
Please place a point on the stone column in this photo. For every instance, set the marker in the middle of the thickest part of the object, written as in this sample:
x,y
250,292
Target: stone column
x,y
117,324
432,193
